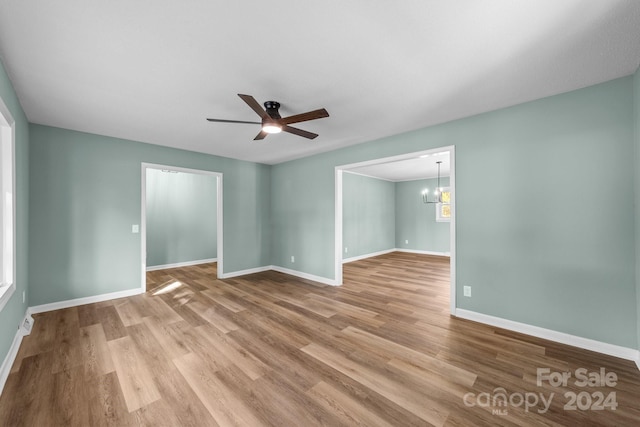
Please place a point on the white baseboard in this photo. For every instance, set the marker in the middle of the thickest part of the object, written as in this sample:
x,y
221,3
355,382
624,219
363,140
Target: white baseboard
x,y
365,256
181,264
5,369
130,292
303,275
82,301
416,251
551,335
388,251
279,269
245,272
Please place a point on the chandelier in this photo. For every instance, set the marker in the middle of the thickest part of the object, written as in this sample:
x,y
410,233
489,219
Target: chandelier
x,y
437,192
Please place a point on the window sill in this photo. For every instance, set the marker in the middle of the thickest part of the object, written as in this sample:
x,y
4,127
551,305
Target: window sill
x,y
5,294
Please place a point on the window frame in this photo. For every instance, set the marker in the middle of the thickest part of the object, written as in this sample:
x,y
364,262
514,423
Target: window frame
x,y
439,216
7,205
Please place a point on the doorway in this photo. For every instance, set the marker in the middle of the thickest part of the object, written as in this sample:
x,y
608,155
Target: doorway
x,y
409,157
160,255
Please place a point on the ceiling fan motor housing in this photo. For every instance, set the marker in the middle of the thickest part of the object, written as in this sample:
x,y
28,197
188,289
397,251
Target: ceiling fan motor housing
x,y
272,109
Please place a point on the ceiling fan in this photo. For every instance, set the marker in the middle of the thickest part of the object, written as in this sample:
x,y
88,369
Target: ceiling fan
x,y
272,122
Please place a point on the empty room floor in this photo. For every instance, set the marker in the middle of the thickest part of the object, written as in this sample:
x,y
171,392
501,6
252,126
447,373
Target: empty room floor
x,y
272,349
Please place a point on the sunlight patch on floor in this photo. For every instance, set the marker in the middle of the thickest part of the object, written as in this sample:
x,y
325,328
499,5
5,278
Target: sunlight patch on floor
x,y
168,288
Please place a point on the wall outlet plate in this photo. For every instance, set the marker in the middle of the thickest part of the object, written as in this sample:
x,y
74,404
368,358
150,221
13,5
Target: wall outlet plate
x,y
26,325
467,291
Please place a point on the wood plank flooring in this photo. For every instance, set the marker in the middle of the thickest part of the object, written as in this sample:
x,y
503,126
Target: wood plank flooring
x,y
270,349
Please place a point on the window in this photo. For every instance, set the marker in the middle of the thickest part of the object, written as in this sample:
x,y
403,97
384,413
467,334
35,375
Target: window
x,y
443,210
7,205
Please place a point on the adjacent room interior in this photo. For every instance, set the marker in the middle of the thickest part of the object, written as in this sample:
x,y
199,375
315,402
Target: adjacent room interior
x,y
397,204
180,225
339,213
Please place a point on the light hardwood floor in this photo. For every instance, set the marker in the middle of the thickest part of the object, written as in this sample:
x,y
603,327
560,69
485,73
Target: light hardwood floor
x,y
271,349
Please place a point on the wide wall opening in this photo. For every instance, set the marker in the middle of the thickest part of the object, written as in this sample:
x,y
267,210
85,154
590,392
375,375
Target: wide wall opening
x,y
403,203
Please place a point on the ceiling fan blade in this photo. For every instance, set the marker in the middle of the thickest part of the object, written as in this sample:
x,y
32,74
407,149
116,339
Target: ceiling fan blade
x,y
233,121
261,135
303,117
255,106
299,132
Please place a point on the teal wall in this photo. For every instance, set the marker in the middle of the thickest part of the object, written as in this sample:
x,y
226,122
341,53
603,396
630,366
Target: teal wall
x,y
416,221
636,118
181,217
551,253
302,216
85,193
368,215
13,312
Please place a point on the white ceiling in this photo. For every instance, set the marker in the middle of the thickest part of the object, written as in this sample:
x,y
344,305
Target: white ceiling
x,y
421,167
152,71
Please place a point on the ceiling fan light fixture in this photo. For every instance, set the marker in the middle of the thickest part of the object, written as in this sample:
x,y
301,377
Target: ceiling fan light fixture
x,y
272,122
271,128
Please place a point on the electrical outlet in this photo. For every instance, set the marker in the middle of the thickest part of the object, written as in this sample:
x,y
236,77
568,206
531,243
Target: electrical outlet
x,y
293,259
346,250
135,228
406,242
467,291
